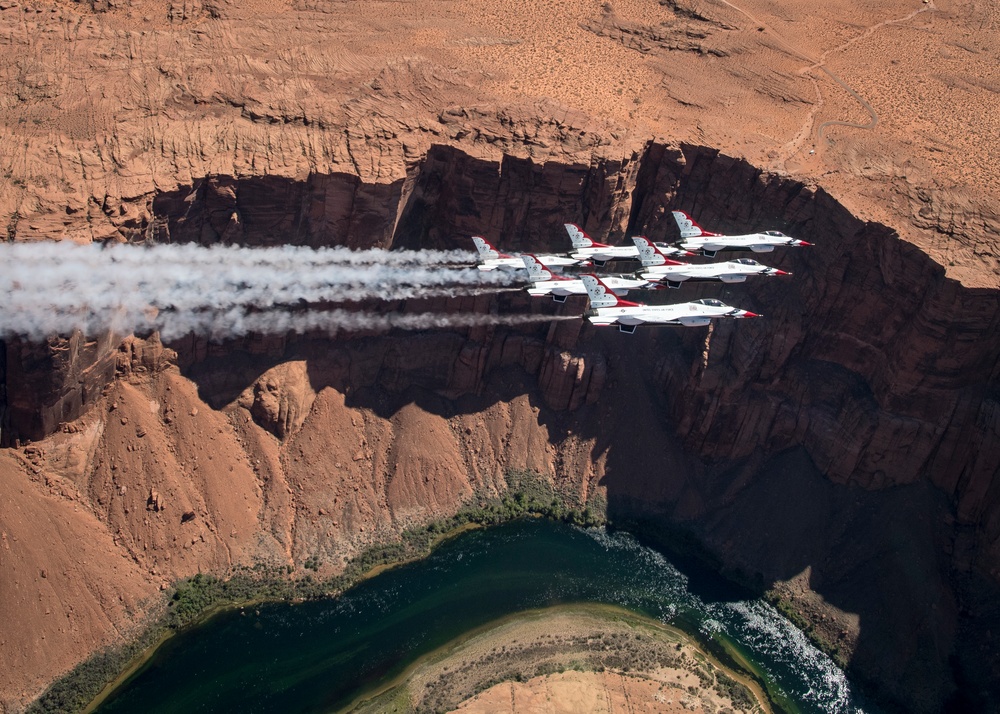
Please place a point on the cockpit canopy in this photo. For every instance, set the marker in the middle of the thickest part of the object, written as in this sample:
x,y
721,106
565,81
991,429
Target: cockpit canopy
x,y
776,234
710,302
746,261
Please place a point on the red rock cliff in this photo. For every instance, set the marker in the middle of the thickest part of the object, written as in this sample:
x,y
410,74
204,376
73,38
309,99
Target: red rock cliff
x,y
860,411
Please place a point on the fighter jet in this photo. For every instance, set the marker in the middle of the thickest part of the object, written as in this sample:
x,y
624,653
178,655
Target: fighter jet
x,y
543,282
586,248
492,259
657,266
694,237
608,309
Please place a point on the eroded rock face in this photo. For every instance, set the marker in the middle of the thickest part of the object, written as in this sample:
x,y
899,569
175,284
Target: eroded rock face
x,y
52,383
871,358
280,400
866,392
568,381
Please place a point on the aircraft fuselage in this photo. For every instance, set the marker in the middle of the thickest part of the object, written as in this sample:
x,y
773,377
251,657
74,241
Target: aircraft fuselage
x,y
764,242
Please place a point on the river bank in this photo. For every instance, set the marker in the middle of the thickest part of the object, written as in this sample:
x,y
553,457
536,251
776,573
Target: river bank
x,y
576,657
194,601
328,654
684,548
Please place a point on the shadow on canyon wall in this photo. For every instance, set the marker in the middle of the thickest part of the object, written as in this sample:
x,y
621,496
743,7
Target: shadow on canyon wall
x,y
850,436
879,554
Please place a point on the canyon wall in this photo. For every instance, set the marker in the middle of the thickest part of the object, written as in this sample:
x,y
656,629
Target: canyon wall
x,y
843,448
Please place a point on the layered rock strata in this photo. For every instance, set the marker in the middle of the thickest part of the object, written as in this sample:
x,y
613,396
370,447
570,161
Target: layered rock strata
x,y
843,450
849,436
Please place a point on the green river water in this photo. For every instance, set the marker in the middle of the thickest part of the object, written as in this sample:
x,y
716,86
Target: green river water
x,y
319,656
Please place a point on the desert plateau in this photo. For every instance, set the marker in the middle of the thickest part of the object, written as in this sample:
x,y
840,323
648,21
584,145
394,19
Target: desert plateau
x,y
838,456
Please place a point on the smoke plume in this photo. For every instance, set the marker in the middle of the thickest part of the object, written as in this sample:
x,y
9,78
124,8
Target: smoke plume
x,y
237,322
54,288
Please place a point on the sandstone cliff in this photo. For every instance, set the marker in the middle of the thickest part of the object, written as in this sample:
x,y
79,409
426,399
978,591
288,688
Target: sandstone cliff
x,y
848,406
844,449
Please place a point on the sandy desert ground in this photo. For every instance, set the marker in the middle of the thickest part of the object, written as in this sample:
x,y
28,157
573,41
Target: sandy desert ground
x,y
893,107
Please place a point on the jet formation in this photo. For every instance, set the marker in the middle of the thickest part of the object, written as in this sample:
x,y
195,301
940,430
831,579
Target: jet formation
x,y
659,269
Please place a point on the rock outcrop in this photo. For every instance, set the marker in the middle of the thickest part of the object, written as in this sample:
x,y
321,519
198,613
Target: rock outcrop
x,y
280,400
52,383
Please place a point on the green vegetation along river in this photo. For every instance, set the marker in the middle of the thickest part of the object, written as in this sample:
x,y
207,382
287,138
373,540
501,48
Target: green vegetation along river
x,y
319,656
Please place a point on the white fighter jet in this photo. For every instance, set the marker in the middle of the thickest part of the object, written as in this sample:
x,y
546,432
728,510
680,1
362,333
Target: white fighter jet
x,y
694,237
608,309
492,259
586,248
657,266
543,282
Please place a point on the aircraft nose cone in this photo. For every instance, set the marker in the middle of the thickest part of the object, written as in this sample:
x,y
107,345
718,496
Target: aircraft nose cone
x,y
780,272
747,313
802,242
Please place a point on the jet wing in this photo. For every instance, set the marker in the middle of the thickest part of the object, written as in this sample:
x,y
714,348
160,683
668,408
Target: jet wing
x,y
560,260
603,320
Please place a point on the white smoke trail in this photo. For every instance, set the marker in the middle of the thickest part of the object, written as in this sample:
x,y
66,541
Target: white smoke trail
x,y
53,288
187,253
220,325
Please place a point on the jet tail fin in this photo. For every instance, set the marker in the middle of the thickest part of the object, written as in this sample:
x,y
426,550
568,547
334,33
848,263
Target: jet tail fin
x,y
486,249
687,226
579,237
536,271
650,254
601,295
